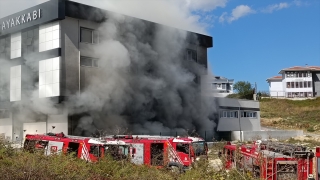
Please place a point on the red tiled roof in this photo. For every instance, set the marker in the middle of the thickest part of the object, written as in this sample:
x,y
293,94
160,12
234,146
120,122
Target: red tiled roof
x,y
275,78
301,68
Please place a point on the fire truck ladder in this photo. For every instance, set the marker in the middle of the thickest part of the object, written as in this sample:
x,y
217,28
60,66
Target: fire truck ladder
x,y
285,149
173,153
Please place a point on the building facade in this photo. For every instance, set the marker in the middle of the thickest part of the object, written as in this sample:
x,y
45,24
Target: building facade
x,y
296,82
217,86
237,116
50,45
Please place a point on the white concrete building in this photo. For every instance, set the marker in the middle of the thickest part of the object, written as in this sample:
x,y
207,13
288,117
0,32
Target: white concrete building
x,y
217,86
296,82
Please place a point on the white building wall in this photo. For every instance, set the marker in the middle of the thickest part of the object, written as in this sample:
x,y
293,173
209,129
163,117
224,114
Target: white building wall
x,y
59,121
34,128
276,88
6,128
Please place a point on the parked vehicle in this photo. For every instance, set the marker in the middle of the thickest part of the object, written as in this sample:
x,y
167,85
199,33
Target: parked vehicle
x,y
270,160
176,153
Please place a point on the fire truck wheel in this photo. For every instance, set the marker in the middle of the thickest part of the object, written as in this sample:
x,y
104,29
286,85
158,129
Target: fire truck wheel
x,y
175,169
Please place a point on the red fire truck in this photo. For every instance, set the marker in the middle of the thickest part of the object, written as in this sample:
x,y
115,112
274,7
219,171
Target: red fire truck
x,y
317,161
270,160
176,153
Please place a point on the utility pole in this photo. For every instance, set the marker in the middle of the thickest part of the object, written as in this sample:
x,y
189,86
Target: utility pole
x,y
239,113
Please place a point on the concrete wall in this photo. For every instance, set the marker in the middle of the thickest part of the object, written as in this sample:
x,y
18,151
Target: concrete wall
x,y
6,127
239,123
276,88
316,83
254,135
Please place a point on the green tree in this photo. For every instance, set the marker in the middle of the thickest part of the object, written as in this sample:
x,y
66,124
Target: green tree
x,y
244,90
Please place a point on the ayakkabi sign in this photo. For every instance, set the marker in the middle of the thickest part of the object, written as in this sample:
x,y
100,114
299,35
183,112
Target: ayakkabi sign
x,y
24,18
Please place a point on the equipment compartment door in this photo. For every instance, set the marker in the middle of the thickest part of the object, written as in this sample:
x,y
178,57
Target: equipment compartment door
x,y
54,147
139,154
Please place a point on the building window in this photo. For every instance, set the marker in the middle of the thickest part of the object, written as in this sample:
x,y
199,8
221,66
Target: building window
x,y
49,77
15,45
192,55
292,85
49,36
297,85
223,86
5,48
88,35
88,61
309,84
305,84
248,114
15,83
288,84
300,84
229,114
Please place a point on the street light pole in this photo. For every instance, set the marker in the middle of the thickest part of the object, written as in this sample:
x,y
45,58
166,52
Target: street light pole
x,y
239,113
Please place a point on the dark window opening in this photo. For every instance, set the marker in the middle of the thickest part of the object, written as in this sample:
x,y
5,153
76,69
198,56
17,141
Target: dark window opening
x,y
117,152
88,35
89,62
157,154
184,148
73,148
192,55
95,150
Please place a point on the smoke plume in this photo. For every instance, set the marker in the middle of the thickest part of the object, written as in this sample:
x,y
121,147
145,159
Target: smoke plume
x,y
144,82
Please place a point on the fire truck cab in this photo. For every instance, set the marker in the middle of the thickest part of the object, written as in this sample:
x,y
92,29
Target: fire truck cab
x,y
270,160
164,151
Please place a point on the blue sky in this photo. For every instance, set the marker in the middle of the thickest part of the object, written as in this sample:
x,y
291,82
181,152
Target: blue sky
x,y
258,45
253,39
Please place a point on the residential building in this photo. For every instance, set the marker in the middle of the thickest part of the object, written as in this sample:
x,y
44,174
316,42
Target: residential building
x,y
59,35
217,86
296,82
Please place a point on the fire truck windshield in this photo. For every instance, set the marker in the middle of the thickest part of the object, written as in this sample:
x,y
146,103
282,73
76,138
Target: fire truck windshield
x,y
199,148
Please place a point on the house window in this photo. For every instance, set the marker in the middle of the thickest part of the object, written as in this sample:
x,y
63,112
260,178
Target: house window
x,y
15,45
88,35
88,61
223,86
49,36
49,77
15,83
292,84
192,55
